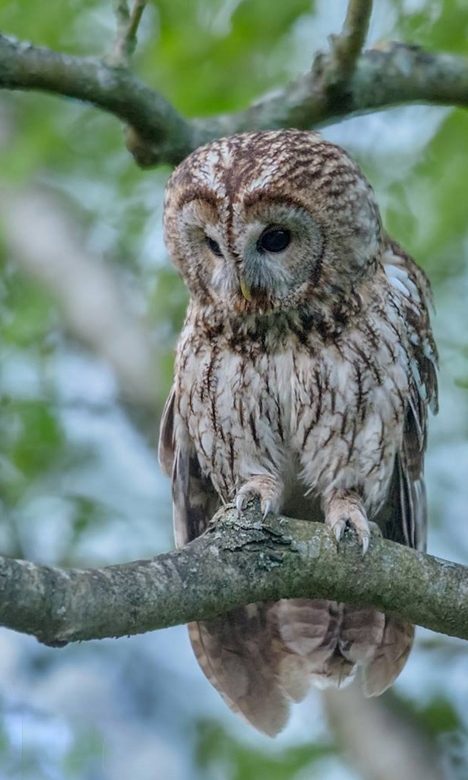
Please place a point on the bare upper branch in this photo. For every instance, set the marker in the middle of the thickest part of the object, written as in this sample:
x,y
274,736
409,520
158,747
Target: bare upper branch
x,y
116,90
383,77
236,562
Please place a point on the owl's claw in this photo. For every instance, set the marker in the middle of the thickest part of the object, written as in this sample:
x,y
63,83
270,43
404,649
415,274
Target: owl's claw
x,y
267,489
348,512
361,532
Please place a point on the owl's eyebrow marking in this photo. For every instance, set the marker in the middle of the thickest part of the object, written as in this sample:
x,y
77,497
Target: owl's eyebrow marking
x,y
259,196
200,194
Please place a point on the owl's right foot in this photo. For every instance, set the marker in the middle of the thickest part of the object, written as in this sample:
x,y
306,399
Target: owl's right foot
x,y
346,510
269,491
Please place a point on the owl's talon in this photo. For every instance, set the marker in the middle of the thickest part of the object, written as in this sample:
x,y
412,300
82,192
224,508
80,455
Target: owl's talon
x,y
364,539
347,511
241,502
338,531
265,488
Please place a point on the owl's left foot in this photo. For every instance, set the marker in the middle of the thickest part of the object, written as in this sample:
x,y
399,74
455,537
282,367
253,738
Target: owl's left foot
x,y
267,489
345,510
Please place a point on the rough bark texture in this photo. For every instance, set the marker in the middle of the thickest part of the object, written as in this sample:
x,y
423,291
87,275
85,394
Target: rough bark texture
x,y
237,561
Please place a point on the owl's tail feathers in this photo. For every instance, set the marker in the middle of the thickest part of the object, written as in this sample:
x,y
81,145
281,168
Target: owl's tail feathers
x,y
390,657
262,656
243,667
335,640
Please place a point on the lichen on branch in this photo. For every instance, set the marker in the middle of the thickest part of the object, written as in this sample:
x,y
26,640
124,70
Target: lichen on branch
x,y
239,560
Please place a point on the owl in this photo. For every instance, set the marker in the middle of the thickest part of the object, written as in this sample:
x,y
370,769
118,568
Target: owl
x,y
303,376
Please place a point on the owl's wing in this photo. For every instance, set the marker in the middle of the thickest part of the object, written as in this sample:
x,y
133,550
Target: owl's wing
x,y
403,518
239,652
407,519
166,435
193,496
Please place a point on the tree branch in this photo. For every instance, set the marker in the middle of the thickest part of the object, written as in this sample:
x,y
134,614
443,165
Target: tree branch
x,y
115,90
347,46
127,27
237,561
389,76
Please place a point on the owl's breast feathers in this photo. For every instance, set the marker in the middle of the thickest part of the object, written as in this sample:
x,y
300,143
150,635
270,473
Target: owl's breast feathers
x,y
322,404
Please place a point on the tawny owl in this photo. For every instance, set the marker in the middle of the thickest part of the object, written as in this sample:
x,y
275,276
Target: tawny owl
x,y
303,375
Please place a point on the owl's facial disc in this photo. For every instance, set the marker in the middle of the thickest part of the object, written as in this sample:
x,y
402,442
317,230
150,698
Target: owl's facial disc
x,y
255,252
263,221
276,247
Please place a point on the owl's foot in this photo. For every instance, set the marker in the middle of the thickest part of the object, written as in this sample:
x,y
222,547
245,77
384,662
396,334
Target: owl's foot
x,y
345,510
267,489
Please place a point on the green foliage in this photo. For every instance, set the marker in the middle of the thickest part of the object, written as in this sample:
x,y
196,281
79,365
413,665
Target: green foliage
x,y
428,211
437,26
208,60
219,754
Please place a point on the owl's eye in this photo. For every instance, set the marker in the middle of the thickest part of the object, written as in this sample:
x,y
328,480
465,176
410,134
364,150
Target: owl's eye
x,y
214,246
274,240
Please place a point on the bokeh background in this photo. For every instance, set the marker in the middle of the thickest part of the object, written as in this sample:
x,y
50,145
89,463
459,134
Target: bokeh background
x,y
90,309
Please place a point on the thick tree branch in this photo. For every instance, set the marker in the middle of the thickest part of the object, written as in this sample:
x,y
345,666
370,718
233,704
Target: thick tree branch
x,y
116,90
236,562
385,77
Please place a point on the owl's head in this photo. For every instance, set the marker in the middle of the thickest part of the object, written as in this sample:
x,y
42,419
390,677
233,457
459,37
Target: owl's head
x,y
269,220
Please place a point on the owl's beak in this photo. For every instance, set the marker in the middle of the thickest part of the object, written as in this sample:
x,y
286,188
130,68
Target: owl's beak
x,y
245,289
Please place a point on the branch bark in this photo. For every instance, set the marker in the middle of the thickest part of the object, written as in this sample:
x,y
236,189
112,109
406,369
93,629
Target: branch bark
x,y
112,89
237,561
383,77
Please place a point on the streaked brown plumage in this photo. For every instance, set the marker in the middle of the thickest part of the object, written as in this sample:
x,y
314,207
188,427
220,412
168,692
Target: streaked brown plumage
x,y
303,376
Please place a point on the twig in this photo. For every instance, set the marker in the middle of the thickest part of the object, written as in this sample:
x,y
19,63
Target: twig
x,y
348,45
237,561
127,26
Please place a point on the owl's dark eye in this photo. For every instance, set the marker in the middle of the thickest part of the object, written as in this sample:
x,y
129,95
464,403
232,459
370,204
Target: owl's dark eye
x,y
214,246
274,240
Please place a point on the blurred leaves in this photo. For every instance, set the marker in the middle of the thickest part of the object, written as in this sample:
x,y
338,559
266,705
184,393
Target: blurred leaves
x,y
235,50
437,25
428,211
221,755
